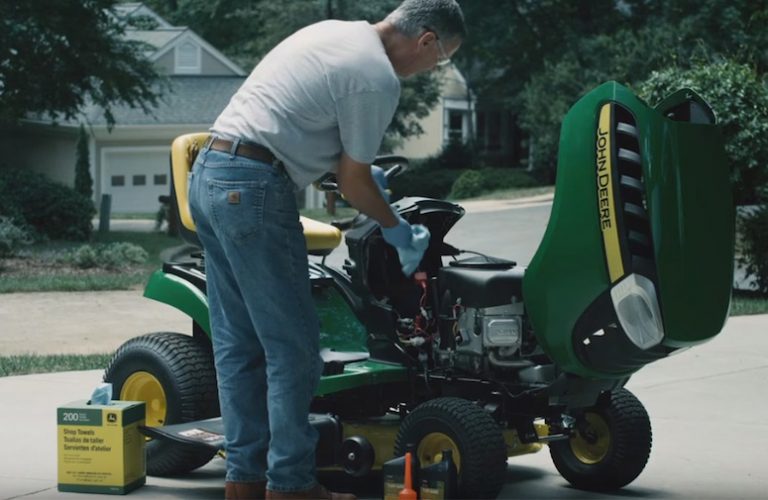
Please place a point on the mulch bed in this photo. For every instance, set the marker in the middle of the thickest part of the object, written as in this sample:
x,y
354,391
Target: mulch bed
x,y
32,266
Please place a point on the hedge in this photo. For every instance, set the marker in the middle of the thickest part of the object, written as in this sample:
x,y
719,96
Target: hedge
x,y
52,209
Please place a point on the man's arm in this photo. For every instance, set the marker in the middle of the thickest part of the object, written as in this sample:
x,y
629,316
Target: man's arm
x,y
360,190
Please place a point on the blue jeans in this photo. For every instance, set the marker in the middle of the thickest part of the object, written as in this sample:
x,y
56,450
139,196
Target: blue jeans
x,y
264,325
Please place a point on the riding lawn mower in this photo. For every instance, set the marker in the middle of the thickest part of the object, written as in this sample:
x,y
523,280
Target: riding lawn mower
x,y
476,354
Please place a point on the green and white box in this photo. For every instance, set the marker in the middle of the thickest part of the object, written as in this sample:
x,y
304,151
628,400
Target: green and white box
x,y
101,449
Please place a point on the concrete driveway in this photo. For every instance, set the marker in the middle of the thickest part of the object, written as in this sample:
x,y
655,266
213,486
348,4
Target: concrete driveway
x,y
707,406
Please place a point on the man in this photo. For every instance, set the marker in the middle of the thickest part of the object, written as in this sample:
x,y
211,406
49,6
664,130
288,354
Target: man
x,y
320,101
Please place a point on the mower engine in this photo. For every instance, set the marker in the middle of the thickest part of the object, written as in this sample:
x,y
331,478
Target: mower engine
x,y
484,339
483,328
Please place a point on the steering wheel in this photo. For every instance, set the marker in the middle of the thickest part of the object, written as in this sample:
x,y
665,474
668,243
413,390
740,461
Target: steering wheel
x,y
393,166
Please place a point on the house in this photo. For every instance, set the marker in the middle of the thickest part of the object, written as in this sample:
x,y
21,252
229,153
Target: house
x,y
453,118
130,162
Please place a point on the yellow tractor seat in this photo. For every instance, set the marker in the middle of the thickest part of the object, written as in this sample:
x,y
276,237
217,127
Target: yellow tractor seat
x,y
321,238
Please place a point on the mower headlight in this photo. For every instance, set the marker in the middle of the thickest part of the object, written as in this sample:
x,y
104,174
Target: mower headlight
x,y
637,306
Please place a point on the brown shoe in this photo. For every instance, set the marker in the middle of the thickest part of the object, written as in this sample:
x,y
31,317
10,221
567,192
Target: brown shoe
x,y
236,490
316,493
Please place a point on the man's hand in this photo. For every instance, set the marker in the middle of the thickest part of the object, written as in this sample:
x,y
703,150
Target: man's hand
x,y
362,192
410,241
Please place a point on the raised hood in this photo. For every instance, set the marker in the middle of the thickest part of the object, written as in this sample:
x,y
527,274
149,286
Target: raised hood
x,y
637,258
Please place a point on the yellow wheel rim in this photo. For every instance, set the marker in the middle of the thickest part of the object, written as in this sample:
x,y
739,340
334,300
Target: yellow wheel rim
x,y
592,440
430,450
143,386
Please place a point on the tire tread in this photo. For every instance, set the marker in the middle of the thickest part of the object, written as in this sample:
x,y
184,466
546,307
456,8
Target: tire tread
x,y
189,363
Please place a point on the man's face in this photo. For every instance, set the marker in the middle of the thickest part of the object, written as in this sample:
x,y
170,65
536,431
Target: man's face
x,y
429,52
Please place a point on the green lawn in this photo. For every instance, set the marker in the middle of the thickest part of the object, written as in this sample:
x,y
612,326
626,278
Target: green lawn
x,y
513,194
38,270
134,215
745,303
322,215
30,363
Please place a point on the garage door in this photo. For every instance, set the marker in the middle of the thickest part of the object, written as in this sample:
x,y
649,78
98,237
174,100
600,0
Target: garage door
x,y
135,178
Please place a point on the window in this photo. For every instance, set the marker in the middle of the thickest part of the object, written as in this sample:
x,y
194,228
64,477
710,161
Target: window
x,y
188,58
456,125
161,180
139,180
118,180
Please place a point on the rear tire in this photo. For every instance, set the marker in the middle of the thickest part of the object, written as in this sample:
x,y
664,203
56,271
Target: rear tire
x,y
611,445
174,374
476,440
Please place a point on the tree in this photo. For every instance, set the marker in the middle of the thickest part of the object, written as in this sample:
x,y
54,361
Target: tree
x,y
537,57
55,59
83,179
740,101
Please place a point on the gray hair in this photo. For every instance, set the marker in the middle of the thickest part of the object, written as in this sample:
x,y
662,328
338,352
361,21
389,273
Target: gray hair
x,y
444,17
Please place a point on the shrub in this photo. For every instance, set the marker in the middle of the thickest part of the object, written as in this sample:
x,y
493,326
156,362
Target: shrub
x,y
476,182
84,257
121,254
740,101
11,237
456,155
425,180
468,185
83,180
54,210
507,178
112,256
754,256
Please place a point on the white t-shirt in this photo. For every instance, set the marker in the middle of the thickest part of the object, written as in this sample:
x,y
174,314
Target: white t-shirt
x,y
327,88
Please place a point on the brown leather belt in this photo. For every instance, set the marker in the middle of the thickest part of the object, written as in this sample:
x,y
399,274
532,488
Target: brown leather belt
x,y
245,149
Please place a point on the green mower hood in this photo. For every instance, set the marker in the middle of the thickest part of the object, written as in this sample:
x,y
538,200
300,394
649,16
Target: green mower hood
x,y
637,258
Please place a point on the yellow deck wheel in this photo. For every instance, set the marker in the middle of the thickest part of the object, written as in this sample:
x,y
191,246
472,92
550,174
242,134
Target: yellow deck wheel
x,y
173,373
143,386
430,449
593,440
610,444
474,438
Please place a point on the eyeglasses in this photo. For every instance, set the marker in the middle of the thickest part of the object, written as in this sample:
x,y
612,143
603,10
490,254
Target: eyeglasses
x,y
442,56
442,59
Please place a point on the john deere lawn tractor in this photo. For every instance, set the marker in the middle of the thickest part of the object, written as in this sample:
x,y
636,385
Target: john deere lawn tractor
x,y
476,354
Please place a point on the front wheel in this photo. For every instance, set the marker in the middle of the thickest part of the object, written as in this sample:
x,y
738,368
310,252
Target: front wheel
x,y
174,375
474,438
610,446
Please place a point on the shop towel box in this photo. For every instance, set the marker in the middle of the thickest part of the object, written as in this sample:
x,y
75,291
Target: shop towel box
x,y
100,447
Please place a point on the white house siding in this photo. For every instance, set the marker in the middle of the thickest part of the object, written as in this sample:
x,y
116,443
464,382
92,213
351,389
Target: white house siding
x,y
166,63
212,65
51,152
209,64
430,142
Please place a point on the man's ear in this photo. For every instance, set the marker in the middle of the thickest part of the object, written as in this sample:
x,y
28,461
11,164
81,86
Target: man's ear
x,y
427,38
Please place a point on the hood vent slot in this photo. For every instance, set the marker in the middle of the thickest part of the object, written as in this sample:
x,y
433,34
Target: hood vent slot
x,y
637,238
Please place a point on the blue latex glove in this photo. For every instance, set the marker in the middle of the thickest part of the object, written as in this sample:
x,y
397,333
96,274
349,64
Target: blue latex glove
x,y
410,241
411,256
381,181
399,235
